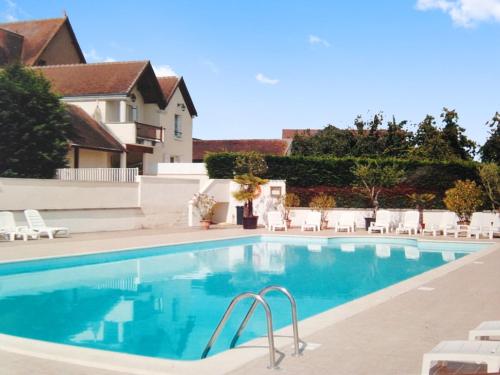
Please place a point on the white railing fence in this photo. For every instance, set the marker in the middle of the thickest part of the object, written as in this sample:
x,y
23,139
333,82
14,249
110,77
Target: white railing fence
x,y
98,174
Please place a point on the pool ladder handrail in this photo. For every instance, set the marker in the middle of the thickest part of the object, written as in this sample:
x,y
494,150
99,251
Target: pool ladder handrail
x,y
258,299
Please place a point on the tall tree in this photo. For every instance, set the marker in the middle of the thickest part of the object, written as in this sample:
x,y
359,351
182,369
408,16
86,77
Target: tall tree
x,y
34,126
490,151
429,142
453,134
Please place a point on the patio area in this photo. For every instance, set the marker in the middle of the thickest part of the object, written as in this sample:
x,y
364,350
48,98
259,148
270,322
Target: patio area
x,y
383,333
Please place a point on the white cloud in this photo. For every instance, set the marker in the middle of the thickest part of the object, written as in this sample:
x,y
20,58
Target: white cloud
x,y
210,65
266,80
10,12
465,13
314,39
93,56
164,71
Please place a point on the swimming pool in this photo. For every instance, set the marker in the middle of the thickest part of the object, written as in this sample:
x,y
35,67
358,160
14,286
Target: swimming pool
x,y
165,301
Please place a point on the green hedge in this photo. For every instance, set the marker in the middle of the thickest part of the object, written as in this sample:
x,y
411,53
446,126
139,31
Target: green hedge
x,y
327,171
308,176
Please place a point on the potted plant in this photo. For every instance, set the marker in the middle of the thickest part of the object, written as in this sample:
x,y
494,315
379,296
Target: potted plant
x,y
322,202
421,201
248,167
288,201
204,204
463,199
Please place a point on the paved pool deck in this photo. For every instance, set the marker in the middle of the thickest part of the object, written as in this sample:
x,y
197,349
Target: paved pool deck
x,y
377,336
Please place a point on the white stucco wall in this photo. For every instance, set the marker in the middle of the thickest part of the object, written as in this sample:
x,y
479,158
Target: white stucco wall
x,y
172,146
21,193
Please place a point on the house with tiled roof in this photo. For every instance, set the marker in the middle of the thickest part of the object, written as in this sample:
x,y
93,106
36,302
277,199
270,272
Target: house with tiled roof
x,y
278,147
39,42
126,116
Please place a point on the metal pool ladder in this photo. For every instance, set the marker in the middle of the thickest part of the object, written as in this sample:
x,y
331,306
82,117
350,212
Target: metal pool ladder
x,y
258,299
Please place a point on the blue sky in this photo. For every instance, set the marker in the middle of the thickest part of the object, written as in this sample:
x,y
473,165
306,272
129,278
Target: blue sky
x,y
255,67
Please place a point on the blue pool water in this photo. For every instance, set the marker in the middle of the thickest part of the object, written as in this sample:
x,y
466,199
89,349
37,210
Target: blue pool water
x,y
166,301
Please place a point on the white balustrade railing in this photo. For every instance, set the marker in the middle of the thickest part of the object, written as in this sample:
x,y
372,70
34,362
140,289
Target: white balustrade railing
x,y
98,174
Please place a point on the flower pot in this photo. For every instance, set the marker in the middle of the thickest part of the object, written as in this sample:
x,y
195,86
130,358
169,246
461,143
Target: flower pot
x,y
324,225
250,222
463,222
205,224
288,223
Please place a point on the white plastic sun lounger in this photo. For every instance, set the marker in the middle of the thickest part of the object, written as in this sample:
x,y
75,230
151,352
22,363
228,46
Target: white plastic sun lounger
x,y
382,251
11,231
382,222
411,223
346,222
487,352
448,221
347,247
412,252
38,225
313,222
275,221
495,228
486,330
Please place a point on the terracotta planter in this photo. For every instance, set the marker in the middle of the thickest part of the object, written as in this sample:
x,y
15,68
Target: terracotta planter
x,y
463,222
250,222
288,223
324,225
205,224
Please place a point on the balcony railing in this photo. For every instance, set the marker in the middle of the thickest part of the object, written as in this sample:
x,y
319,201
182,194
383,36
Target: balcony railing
x,y
98,174
149,132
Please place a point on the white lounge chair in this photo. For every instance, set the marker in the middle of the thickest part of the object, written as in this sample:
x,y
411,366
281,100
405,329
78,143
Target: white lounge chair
x,y
486,329
382,222
10,230
312,222
495,228
448,221
487,352
382,251
412,252
37,224
346,222
411,223
275,221
479,225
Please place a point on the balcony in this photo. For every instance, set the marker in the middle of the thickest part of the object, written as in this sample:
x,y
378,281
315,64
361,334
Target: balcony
x,y
136,132
148,132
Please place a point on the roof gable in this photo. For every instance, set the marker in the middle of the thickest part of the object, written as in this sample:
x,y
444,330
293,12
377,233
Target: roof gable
x,y
100,79
170,84
277,147
37,36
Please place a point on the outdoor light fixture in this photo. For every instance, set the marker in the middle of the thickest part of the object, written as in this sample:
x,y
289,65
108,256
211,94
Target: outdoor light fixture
x,y
182,106
133,98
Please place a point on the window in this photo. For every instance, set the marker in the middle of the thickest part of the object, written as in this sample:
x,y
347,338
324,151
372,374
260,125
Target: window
x,y
177,126
132,113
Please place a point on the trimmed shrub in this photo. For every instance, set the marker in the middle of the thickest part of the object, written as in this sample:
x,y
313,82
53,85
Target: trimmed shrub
x,y
308,176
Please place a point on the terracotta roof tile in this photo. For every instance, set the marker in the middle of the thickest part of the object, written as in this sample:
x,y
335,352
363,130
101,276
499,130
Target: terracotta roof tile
x,y
88,133
264,146
290,133
36,35
168,85
93,79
